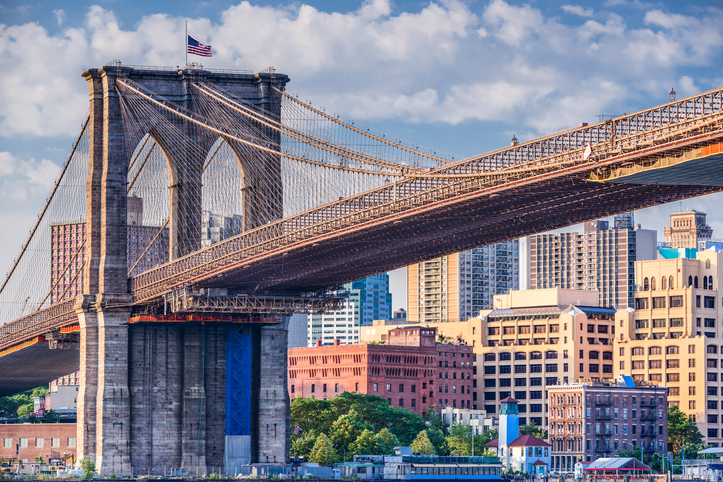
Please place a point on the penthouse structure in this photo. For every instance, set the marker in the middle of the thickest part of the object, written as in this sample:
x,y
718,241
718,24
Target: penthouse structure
x,y
687,230
458,286
673,335
592,420
411,370
600,258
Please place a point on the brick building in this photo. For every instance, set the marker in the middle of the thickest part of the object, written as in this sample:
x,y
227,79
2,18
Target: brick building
x,y
47,440
594,420
531,340
411,370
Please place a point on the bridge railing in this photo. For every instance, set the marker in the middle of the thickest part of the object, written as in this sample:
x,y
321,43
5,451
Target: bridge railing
x,y
37,323
606,139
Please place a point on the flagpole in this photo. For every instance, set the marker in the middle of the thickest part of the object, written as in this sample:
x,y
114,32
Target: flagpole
x,y
186,43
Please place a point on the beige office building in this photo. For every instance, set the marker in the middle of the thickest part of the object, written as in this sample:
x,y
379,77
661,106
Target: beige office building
x,y
687,230
530,341
673,336
456,287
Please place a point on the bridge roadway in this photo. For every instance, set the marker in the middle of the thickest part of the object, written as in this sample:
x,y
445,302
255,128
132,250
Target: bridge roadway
x,y
466,214
664,154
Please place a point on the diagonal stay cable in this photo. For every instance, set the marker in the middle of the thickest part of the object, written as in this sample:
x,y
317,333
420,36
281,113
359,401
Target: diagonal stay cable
x,y
47,204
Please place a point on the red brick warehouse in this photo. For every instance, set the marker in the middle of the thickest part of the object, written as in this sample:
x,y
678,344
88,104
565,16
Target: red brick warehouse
x,y
412,370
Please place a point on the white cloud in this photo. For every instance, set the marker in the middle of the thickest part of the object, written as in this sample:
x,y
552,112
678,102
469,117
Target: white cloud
x,y
578,10
59,16
446,62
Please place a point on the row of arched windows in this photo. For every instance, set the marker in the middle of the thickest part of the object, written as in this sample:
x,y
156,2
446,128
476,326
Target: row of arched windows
x,y
666,283
669,283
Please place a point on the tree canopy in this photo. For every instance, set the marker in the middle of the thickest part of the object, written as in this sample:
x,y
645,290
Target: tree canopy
x,y
371,412
324,452
681,431
423,445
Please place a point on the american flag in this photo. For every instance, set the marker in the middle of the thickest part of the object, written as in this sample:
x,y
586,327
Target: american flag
x,y
197,48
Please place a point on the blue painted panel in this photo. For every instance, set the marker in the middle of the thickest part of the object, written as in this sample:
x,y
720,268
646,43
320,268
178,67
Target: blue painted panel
x,y
238,382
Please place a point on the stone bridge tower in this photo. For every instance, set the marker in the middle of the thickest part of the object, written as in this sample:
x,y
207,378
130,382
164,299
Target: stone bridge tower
x,y
157,397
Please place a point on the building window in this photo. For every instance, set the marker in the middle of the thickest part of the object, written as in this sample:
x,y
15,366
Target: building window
x,y
323,388
659,302
594,368
313,387
708,302
376,387
389,387
23,442
336,387
401,402
414,403
413,388
676,301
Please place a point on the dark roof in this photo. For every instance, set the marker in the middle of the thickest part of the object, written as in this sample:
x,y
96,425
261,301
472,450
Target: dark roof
x,y
539,462
494,443
508,400
594,310
534,310
528,441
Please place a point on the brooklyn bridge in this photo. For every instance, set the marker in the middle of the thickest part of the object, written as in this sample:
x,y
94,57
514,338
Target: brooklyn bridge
x,y
179,331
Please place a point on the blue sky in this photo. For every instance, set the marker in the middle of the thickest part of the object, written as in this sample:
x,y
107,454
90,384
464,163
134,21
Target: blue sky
x,y
459,76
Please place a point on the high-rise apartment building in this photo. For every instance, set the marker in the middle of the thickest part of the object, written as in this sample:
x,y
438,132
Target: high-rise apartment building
x,y
367,300
593,420
687,230
673,335
67,257
456,287
600,258
217,227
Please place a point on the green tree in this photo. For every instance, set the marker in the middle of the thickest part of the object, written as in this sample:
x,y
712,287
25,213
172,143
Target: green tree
x,y
434,420
51,416
88,468
365,444
459,440
385,442
533,429
347,428
487,436
436,436
310,414
681,431
303,444
423,445
324,452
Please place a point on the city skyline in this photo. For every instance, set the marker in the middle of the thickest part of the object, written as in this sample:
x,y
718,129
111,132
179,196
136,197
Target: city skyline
x,y
657,46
